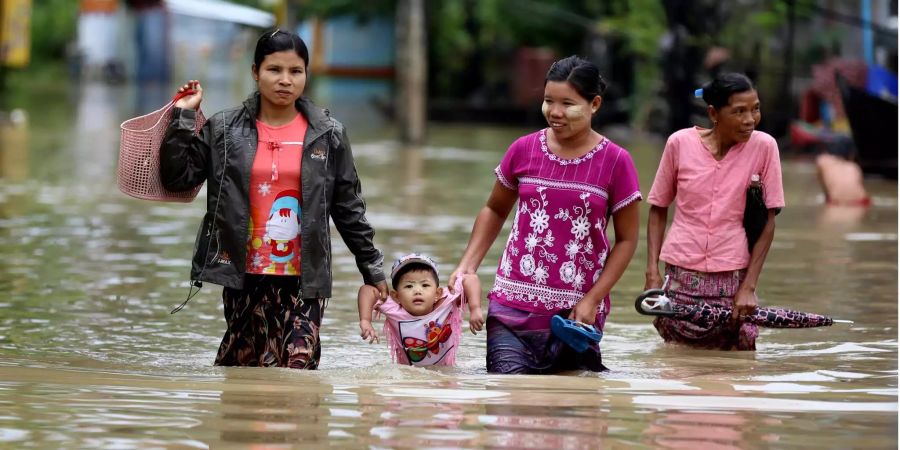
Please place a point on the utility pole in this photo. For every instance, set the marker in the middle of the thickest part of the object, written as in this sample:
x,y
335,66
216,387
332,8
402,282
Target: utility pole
x,y
286,15
788,77
411,71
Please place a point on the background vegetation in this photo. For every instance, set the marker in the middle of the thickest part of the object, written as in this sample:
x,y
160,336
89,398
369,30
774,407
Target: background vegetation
x,y
472,43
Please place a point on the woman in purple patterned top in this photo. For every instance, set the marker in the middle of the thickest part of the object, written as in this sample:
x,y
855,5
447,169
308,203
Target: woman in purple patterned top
x,y
569,181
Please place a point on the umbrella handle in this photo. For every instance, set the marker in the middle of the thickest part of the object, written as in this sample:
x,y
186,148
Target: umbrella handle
x,y
650,310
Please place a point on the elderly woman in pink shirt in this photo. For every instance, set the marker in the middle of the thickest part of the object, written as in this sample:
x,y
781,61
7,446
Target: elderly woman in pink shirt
x,y
706,173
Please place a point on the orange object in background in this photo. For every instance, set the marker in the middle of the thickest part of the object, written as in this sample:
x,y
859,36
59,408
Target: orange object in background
x,y
99,6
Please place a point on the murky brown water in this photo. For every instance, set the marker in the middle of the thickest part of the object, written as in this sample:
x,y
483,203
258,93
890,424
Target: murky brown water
x,y
91,358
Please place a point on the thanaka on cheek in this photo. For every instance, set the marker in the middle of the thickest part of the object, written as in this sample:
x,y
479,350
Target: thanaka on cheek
x,y
575,112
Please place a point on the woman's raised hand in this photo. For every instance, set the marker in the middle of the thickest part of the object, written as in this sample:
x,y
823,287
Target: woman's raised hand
x,y
458,273
193,95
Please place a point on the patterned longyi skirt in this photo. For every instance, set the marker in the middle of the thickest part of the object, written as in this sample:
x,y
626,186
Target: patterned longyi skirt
x,y
269,325
521,342
688,287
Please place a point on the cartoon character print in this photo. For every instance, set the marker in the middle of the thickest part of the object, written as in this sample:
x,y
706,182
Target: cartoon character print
x,y
435,335
282,229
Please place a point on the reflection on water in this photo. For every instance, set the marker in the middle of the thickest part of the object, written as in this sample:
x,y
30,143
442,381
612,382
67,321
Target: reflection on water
x,y
90,357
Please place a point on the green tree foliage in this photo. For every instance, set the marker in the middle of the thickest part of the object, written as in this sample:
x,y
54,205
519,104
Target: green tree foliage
x,y
472,43
258,4
641,23
359,9
53,27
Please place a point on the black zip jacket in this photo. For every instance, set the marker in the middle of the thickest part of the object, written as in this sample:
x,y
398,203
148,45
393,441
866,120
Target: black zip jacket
x,y
222,155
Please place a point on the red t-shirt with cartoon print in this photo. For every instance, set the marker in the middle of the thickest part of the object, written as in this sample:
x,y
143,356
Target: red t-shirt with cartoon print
x,y
273,247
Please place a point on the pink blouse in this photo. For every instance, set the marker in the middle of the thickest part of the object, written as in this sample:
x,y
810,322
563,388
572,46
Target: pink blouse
x,y
707,232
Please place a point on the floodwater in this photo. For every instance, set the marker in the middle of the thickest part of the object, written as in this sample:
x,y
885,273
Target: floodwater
x,y
91,358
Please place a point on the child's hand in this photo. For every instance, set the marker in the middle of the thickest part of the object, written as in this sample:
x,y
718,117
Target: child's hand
x,y
367,332
476,320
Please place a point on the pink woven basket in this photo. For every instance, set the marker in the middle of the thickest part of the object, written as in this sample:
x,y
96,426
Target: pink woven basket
x,y
138,168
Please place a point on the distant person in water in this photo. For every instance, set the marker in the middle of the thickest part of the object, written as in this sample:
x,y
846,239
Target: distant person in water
x,y
840,176
705,173
422,320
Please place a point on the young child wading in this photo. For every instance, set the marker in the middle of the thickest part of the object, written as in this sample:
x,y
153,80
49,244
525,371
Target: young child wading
x,y
422,320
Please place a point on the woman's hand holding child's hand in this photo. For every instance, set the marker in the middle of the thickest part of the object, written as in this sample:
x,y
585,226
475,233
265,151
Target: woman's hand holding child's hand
x,y
382,290
382,295
458,273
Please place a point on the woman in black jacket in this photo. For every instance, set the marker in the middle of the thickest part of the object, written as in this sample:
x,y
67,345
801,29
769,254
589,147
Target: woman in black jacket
x,y
276,168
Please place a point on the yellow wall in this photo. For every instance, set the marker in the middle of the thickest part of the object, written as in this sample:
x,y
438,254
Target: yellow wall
x,y
15,33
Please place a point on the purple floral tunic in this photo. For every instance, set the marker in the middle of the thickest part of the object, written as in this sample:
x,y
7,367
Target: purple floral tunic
x,y
557,246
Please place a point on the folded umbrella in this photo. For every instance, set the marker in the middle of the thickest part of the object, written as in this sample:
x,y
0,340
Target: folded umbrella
x,y
653,302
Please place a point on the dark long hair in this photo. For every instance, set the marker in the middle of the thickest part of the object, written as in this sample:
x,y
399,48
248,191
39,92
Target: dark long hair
x,y
582,74
278,40
717,92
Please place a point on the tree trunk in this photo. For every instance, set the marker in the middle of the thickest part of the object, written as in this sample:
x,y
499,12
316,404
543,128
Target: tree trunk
x,y
411,70
287,16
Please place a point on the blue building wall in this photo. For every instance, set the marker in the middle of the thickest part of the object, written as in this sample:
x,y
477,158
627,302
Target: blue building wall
x,y
353,75
348,42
